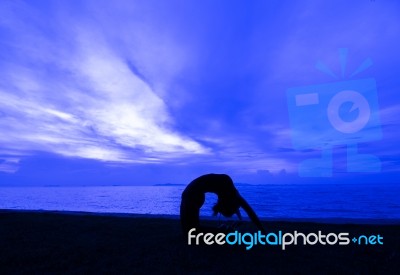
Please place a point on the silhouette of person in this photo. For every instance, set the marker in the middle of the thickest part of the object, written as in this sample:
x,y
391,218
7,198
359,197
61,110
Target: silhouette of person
x,y
229,201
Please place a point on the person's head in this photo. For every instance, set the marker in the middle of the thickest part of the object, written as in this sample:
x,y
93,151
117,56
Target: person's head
x,y
227,205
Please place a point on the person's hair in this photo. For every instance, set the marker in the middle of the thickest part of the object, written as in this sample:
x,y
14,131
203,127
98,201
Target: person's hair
x,y
226,205
216,208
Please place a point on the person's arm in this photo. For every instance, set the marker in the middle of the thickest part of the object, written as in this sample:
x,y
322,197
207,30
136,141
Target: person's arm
x,y
252,215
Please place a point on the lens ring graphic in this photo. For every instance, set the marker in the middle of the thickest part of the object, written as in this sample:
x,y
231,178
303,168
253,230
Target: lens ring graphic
x,y
358,101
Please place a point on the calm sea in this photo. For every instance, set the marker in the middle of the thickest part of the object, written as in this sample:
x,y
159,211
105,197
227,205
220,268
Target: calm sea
x,y
333,201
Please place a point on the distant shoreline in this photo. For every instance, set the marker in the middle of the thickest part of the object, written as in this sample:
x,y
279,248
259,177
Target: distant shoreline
x,y
175,217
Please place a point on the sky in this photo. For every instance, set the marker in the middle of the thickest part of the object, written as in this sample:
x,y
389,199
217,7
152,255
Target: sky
x,y
146,92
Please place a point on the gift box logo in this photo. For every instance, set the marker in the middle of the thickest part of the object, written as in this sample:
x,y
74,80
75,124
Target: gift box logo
x,y
345,112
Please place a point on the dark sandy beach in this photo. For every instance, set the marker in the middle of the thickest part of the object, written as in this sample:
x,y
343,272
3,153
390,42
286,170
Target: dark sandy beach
x,y
46,242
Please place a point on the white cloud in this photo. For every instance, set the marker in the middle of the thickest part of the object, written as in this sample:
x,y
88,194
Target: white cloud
x,y
9,165
81,99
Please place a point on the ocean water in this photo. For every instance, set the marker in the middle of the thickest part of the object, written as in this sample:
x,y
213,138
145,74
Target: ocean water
x,y
287,202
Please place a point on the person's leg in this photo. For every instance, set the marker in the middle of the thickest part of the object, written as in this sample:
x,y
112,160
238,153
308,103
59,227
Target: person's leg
x,y
189,217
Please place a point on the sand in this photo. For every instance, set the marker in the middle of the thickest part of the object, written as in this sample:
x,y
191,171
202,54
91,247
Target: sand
x,y
37,242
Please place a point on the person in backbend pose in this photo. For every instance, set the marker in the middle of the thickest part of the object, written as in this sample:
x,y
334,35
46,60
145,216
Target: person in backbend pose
x,y
229,201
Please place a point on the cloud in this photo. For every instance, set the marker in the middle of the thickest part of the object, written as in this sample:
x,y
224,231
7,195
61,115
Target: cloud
x,y
74,94
131,82
9,165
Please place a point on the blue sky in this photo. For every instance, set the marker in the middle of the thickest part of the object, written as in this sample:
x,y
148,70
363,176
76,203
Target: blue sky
x,y
142,92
